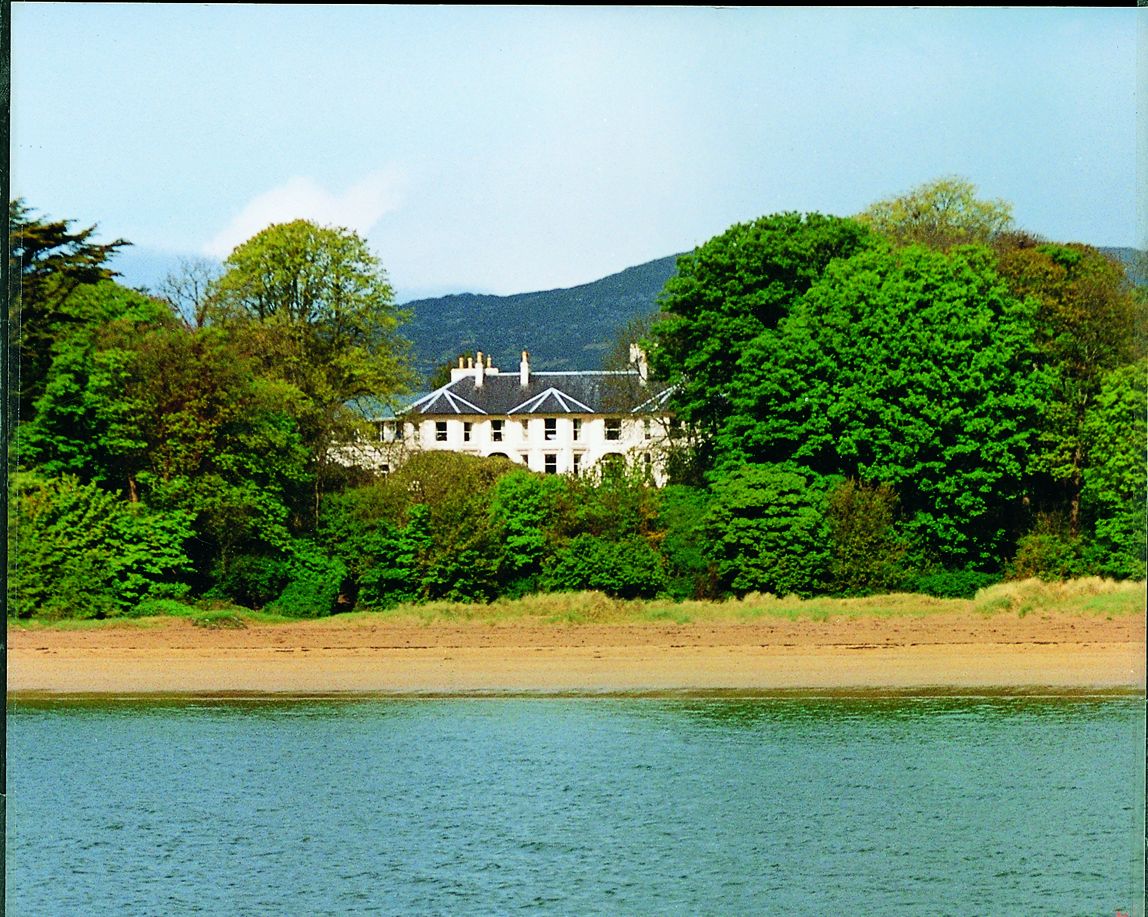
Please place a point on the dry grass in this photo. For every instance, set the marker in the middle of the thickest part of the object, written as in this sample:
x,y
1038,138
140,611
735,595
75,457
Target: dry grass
x,y
1091,596
1087,596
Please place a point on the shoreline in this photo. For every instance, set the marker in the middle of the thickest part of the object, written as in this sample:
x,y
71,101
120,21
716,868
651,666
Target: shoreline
x,y
939,654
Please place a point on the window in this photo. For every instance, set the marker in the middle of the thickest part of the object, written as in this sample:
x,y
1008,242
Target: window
x,y
577,463
417,432
440,431
613,428
398,428
550,465
381,429
647,430
496,431
577,429
525,429
466,425
384,469
550,425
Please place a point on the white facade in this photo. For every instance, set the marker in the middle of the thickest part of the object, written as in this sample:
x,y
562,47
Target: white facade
x,y
553,423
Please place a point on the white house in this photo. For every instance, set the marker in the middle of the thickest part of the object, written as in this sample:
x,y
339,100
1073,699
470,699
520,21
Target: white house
x,y
551,422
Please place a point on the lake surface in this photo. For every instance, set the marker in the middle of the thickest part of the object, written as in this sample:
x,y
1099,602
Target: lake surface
x,y
576,806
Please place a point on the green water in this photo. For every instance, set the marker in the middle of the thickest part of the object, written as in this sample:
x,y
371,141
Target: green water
x,y
576,806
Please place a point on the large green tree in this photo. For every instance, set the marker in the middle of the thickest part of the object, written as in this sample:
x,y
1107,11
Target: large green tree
x,y
85,421
48,262
319,302
732,290
312,305
909,368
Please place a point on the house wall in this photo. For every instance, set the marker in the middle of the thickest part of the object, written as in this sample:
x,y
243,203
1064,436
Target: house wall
x,y
526,440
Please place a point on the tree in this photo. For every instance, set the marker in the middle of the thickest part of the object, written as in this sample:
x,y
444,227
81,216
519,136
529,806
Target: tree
x,y
523,507
189,289
626,569
732,290
767,532
85,420
941,215
866,554
47,264
909,368
1115,491
84,553
1090,320
690,574
328,298
313,306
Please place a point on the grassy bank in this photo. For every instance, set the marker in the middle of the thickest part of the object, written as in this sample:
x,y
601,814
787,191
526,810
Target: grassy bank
x,y
1086,597
1091,596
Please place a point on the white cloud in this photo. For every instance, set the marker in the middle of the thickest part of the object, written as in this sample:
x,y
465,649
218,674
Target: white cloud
x,y
359,207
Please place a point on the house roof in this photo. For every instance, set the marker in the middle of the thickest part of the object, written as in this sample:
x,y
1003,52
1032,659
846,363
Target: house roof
x,y
587,392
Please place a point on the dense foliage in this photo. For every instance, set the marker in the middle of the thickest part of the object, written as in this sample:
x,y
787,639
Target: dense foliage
x,y
918,399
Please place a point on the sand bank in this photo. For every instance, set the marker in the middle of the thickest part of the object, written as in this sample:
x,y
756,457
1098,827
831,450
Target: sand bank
x,y
372,655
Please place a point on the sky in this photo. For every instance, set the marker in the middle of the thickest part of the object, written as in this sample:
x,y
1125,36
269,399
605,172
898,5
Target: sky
x,y
512,149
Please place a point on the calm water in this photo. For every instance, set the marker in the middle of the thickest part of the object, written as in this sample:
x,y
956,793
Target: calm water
x,y
575,806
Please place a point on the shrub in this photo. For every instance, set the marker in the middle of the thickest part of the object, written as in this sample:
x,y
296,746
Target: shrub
x,y
866,555
767,530
626,569
253,580
689,572
1048,556
79,551
952,584
314,587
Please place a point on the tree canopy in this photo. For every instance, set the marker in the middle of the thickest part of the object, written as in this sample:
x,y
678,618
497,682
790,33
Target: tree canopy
x,y
729,292
940,214
318,308
912,369
48,263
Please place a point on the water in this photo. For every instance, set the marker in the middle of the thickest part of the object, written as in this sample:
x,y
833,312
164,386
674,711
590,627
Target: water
x,y
575,806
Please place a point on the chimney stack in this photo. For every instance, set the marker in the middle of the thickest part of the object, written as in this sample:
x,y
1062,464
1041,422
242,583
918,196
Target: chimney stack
x,y
638,360
479,369
524,370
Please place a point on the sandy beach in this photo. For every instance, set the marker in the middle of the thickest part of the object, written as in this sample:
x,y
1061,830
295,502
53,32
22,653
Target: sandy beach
x,y
1038,651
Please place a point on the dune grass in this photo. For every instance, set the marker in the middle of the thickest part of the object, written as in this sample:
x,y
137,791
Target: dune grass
x,y
1091,596
1084,597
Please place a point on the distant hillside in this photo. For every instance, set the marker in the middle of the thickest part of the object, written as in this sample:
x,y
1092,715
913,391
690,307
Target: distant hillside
x,y
572,328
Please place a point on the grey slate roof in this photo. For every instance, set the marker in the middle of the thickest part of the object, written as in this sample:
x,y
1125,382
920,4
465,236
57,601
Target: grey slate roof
x,y
546,393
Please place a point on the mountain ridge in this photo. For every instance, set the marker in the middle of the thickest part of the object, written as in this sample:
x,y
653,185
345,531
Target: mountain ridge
x,y
568,328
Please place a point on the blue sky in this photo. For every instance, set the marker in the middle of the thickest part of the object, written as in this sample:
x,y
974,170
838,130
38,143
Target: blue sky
x,y
509,149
